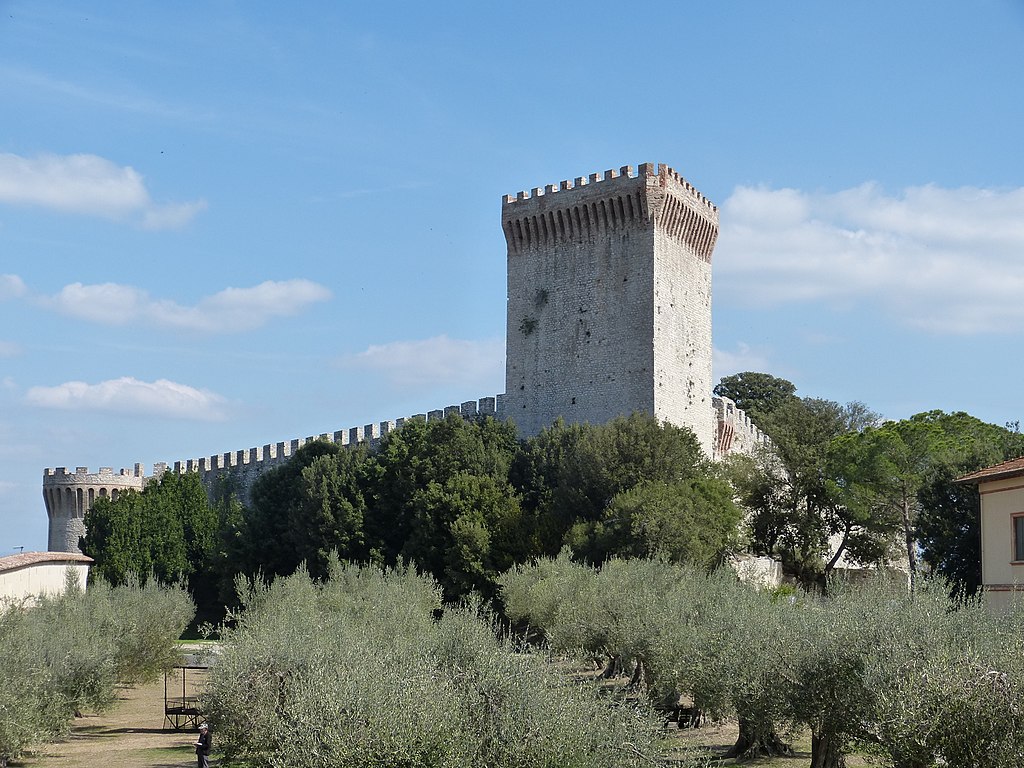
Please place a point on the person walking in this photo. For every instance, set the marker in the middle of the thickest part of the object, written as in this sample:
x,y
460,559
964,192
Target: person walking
x,y
203,746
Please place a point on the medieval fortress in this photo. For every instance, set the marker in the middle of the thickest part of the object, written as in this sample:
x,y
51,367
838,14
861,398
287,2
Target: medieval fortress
x,y
609,312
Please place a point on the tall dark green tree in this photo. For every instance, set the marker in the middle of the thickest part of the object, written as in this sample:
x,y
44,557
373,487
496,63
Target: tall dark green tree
x,y
417,484
692,521
569,475
947,527
795,512
758,394
436,493
290,517
168,530
878,473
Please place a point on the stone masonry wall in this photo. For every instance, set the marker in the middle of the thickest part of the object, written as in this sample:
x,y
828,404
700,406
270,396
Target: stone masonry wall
x,y
69,495
609,300
736,433
239,469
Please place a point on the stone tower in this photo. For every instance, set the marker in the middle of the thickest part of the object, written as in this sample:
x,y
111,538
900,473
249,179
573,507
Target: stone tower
x,y
609,301
69,495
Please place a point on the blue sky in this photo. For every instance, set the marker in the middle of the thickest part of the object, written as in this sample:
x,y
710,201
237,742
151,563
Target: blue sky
x,y
227,224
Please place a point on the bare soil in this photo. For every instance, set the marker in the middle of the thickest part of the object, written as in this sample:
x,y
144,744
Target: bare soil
x,y
717,738
131,735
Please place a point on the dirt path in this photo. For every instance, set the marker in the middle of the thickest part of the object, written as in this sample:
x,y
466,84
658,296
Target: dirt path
x,y
131,735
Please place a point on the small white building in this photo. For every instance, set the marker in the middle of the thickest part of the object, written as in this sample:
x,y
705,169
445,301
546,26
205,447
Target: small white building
x,y
1002,530
31,574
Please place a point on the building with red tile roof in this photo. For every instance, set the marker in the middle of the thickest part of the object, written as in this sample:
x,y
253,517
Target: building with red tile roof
x,y
30,574
1001,487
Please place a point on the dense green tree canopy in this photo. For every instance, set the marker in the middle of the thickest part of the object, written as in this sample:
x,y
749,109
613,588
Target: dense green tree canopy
x,y
467,499
571,475
795,512
758,394
168,530
947,521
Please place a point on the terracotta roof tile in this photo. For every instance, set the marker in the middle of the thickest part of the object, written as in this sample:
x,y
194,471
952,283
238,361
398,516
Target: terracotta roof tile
x,y
1010,468
25,559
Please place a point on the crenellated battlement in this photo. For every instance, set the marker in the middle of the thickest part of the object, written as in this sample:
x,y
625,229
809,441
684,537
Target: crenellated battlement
x,y
657,172
584,209
82,474
736,432
274,454
70,495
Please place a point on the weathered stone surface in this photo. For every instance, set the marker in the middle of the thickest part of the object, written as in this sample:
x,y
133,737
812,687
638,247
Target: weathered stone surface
x,y
609,301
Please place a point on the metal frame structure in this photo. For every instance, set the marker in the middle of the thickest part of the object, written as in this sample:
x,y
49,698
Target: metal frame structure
x,y
181,712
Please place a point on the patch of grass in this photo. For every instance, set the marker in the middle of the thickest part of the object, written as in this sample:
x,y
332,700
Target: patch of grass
x,y
164,751
92,732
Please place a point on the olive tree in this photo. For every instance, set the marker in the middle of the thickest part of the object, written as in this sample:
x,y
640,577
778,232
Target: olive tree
x,y
358,670
31,710
65,653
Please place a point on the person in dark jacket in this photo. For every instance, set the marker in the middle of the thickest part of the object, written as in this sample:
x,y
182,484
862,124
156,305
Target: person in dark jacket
x,y
203,746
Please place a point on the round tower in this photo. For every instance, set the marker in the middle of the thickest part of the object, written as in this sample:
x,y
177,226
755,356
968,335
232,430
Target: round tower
x,y
69,495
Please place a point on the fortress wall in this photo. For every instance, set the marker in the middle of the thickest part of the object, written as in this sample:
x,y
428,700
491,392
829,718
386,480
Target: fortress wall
x,y
69,495
577,309
238,470
682,339
736,433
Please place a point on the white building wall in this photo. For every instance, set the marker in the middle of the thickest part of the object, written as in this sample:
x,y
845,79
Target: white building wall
x,y
32,574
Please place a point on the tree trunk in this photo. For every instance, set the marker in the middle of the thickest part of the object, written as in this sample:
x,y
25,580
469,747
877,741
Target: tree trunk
x,y
641,677
612,669
825,752
754,742
908,531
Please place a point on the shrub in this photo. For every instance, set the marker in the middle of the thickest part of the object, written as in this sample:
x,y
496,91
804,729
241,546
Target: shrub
x,y
67,652
356,671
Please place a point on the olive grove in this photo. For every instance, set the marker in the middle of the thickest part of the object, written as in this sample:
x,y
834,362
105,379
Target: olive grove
x,y
365,668
912,676
64,654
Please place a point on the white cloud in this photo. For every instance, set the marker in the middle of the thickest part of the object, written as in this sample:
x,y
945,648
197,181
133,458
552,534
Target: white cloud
x,y
171,216
88,185
745,358
130,396
11,287
409,365
9,349
946,260
229,311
